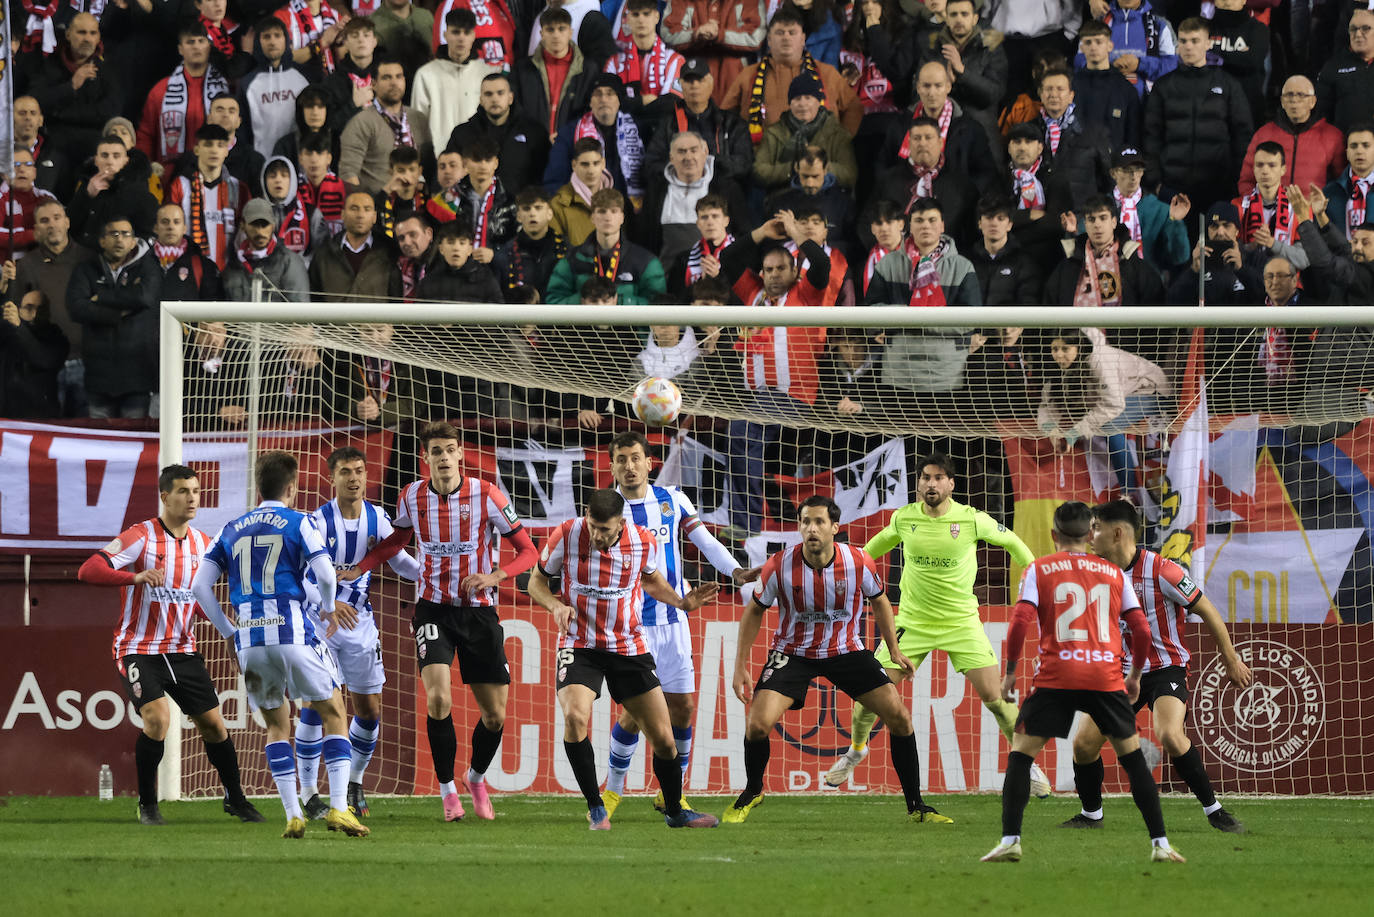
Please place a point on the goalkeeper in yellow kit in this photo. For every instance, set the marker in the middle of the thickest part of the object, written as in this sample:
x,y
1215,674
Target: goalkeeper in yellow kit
x,y
937,610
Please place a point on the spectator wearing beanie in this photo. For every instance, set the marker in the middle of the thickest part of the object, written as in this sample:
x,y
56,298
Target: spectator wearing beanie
x,y
806,123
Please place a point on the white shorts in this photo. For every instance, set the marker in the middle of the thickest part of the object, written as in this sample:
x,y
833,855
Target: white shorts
x,y
305,673
671,646
358,653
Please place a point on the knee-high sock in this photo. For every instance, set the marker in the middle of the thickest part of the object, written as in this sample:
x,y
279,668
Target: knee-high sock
x,y
1015,792
337,754
623,746
443,746
1087,779
1005,714
756,754
309,744
682,735
861,725
906,762
1144,792
362,736
669,774
283,765
226,761
485,744
583,761
147,756
1189,767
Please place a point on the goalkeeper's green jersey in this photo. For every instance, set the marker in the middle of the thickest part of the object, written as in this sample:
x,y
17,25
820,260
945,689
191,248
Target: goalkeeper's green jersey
x,y
940,559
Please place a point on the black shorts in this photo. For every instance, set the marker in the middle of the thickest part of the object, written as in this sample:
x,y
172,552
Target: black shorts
x,y
626,676
1170,681
472,633
1048,712
180,676
854,673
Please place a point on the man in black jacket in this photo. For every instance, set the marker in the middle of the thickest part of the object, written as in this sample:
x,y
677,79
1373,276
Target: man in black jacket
x,y
1197,124
926,172
118,187
726,134
455,276
523,142
115,297
667,222
975,60
717,252
526,262
1007,274
1103,95
76,89
550,100
1077,151
32,353
1346,85
963,141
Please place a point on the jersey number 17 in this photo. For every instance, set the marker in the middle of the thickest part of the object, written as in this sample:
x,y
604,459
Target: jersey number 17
x,y
262,551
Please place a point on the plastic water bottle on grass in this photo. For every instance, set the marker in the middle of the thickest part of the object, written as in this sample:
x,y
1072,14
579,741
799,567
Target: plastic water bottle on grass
x,y
106,783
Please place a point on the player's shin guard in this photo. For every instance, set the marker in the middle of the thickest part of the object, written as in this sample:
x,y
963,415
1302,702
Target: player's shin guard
x,y
309,743
861,725
1087,779
362,737
283,766
669,774
147,756
226,761
906,763
583,760
443,747
1189,767
1015,792
1144,791
756,753
1005,714
485,744
682,736
623,745
337,753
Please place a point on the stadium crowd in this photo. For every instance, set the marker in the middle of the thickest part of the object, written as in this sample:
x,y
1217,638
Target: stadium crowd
x,y
945,152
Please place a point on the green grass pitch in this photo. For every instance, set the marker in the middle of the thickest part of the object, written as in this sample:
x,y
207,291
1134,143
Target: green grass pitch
x,y
795,855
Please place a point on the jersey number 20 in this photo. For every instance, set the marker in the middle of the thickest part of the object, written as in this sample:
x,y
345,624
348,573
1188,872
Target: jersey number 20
x,y
1078,599
264,547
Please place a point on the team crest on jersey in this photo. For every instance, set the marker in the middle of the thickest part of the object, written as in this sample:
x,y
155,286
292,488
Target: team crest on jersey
x,y
767,673
423,649
138,690
665,508
625,563
464,510
954,530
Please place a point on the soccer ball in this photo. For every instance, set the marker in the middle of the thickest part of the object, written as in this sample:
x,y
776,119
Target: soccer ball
x,y
656,401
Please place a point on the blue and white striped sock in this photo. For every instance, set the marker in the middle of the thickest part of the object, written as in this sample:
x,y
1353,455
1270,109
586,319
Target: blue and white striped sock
x,y
623,745
309,734
337,753
682,735
283,765
362,735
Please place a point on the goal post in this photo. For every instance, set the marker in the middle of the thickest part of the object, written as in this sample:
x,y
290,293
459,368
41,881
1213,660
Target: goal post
x,y
1255,478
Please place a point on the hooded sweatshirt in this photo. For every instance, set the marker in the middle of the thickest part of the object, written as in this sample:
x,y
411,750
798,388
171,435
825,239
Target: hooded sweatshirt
x,y
297,228
269,99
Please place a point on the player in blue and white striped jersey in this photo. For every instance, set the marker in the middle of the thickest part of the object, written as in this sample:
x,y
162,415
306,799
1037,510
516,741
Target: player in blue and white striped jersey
x,y
350,527
667,513
266,554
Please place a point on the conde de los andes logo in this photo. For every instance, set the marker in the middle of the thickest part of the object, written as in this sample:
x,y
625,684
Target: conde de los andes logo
x,y
1268,725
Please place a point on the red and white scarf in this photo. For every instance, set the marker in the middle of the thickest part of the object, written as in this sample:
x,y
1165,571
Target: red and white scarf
x,y
176,100
221,36
211,212
400,127
1275,354
482,218
945,118
925,181
1054,128
702,247
653,72
38,29
328,199
302,28
1252,217
412,272
249,257
168,254
926,289
1098,271
1355,207
1130,215
876,254
1030,193
293,228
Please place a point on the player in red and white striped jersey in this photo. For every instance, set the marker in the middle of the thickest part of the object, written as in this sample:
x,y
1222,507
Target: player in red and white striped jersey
x,y
154,645
1079,601
1168,595
820,588
606,565
459,521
